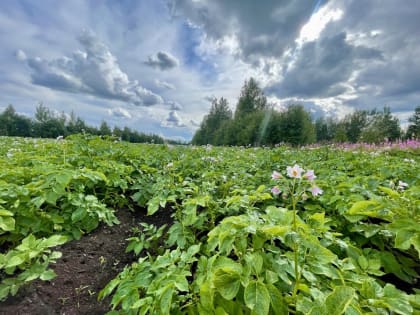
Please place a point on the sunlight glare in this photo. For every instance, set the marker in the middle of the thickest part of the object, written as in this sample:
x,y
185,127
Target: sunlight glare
x,y
316,24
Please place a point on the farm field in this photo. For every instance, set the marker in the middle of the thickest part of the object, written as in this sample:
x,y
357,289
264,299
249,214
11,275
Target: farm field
x,y
208,230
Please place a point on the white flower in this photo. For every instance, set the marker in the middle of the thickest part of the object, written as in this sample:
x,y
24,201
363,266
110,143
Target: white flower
x,y
295,171
402,185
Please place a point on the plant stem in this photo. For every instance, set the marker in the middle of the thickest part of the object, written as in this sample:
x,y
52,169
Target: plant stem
x,y
296,245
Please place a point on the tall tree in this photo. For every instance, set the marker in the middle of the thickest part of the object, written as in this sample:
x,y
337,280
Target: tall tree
x,y
413,130
325,129
297,127
75,125
354,124
251,99
210,127
13,124
104,129
381,126
48,124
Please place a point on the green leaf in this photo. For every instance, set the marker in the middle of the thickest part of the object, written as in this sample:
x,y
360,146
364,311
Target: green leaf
x,y
51,197
6,213
277,302
4,291
78,215
190,214
109,288
181,283
165,300
64,179
255,260
7,223
337,302
226,282
389,192
257,298
318,310
206,296
363,207
220,311
47,275
14,261
55,240
363,262
415,240
276,230
403,238
153,206
55,255
396,300
391,265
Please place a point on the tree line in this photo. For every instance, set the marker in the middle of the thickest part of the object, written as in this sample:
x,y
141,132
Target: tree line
x,y
49,124
256,122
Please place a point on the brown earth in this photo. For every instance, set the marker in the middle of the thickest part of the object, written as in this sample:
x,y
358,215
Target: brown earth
x,y
86,266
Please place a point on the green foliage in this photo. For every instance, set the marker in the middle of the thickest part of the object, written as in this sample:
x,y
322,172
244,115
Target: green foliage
x,y
27,262
12,124
147,238
296,126
325,129
234,247
354,124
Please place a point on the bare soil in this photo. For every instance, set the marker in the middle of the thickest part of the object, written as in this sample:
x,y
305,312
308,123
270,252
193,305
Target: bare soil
x,y
86,266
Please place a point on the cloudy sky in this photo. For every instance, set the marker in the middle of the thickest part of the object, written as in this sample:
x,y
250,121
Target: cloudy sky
x,y
154,65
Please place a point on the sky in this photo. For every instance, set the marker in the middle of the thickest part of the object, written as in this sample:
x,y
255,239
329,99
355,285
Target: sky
x,y
156,65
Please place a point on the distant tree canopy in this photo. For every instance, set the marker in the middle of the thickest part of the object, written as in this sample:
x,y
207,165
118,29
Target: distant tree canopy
x,y
49,124
255,122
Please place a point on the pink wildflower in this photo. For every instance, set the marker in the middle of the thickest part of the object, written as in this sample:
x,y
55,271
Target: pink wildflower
x,y
275,191
315,190
310,175
275,175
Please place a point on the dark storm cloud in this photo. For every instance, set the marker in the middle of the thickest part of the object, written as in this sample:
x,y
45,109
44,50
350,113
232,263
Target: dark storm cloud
x,y
369,54
392,28
162,61
263,29
322,68
173,120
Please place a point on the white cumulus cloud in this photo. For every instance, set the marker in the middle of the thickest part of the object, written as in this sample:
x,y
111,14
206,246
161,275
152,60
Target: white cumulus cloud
x,y
94,71
119,112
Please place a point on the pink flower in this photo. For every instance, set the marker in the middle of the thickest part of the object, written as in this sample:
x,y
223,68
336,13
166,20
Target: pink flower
x,y
275,191
315,190
310,175
275,175
295,171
